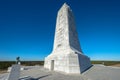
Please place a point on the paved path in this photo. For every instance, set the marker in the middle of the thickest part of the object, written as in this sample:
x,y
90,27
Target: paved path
x,y
3,76
39,73
97,72
100,72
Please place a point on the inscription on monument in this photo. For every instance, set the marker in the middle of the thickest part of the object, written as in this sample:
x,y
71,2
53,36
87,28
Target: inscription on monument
x,y
60,30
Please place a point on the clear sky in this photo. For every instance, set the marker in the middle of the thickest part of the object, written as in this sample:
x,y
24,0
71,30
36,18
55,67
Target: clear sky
x,y
27,28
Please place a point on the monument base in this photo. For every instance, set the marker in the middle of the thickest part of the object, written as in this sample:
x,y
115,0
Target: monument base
x,y
68,62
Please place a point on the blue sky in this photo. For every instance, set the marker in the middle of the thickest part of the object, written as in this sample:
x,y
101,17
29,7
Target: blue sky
x,y
27,28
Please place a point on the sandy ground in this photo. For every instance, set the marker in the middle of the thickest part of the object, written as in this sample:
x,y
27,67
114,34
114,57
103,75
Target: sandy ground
x,y
3,71
116,65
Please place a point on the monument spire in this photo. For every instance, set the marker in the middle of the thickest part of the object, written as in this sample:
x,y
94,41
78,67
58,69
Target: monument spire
x,y
66,55
65,4
66,34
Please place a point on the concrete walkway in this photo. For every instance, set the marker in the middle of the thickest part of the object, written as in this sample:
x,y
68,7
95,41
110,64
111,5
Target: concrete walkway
x,y
97,72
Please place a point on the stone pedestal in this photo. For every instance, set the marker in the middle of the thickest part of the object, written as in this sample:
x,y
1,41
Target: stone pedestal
x,y
68,62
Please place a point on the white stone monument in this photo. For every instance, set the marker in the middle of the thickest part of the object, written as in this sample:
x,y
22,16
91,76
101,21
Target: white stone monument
x,y
67,55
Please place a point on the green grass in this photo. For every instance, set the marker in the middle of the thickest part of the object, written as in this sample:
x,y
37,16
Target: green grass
x,y
5,64
107,63
32,63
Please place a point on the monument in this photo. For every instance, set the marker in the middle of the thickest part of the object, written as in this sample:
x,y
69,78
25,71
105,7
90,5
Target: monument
x,y
67,55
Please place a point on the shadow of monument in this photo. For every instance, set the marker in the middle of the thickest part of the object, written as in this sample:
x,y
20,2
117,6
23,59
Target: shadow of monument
x,y
84,65
30,78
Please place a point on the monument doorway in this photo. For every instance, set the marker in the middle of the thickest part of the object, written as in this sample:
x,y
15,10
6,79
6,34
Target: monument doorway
x,y
52,65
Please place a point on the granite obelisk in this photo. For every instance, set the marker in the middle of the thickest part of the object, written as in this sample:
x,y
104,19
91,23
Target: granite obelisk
x,y
67,55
